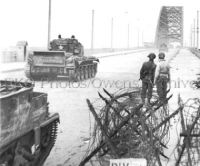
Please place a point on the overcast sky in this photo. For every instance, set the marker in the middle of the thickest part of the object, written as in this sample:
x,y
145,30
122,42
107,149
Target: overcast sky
x,y
27,20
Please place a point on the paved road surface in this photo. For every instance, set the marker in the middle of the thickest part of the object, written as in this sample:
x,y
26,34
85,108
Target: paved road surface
x,y
69,99
184,68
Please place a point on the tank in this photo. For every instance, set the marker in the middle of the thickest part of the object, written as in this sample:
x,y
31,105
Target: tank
x,y
27,129
65,58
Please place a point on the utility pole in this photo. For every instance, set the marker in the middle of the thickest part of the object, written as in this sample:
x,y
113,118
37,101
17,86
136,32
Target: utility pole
x,y
138,38
92,35
127,18
191,37
197,29
138,32
112,34
49,26
182,29
194,41
142,38
128,37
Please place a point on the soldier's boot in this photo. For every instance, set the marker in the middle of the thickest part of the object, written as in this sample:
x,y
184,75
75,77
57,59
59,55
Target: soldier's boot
x,y
149,102
143,101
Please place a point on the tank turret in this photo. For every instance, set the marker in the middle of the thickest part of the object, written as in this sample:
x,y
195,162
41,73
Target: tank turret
x,y
65,58
69,45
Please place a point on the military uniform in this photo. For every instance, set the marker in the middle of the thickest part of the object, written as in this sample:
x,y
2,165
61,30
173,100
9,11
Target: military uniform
x,y
147,73
162,77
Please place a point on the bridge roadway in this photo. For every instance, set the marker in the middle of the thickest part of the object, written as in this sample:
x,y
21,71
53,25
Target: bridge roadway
x,y
114,72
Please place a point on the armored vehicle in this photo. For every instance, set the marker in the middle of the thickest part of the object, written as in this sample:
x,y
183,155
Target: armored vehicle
x,y
65,58
27,129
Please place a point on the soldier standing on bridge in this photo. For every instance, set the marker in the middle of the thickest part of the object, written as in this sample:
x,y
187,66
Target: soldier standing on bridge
x,y
162,77
59,36
147,73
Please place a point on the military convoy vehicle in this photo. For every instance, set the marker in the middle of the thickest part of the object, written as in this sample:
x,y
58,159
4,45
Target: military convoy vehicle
x,y
27,129
65,58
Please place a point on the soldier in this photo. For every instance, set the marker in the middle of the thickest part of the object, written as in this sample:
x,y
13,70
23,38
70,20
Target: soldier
x,y
147,73
162,77
59,36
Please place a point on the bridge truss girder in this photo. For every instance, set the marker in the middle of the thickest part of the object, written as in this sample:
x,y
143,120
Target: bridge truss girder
x,y
170,26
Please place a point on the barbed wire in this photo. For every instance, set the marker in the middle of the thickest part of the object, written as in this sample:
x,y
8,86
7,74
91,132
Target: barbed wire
x,y
137,138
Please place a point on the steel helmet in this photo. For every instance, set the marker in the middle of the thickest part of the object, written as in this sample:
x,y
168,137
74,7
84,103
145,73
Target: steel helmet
x,y
161,55
152,56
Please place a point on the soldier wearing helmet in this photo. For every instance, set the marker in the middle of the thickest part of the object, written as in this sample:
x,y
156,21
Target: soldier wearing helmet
x,y
147,73
59,36
161,55
162,77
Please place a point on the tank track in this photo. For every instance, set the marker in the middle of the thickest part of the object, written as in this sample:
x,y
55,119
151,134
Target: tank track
x,y
84,73
45,151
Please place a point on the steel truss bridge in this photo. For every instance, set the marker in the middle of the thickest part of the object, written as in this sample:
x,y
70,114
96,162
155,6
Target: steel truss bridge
x,y
170,26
